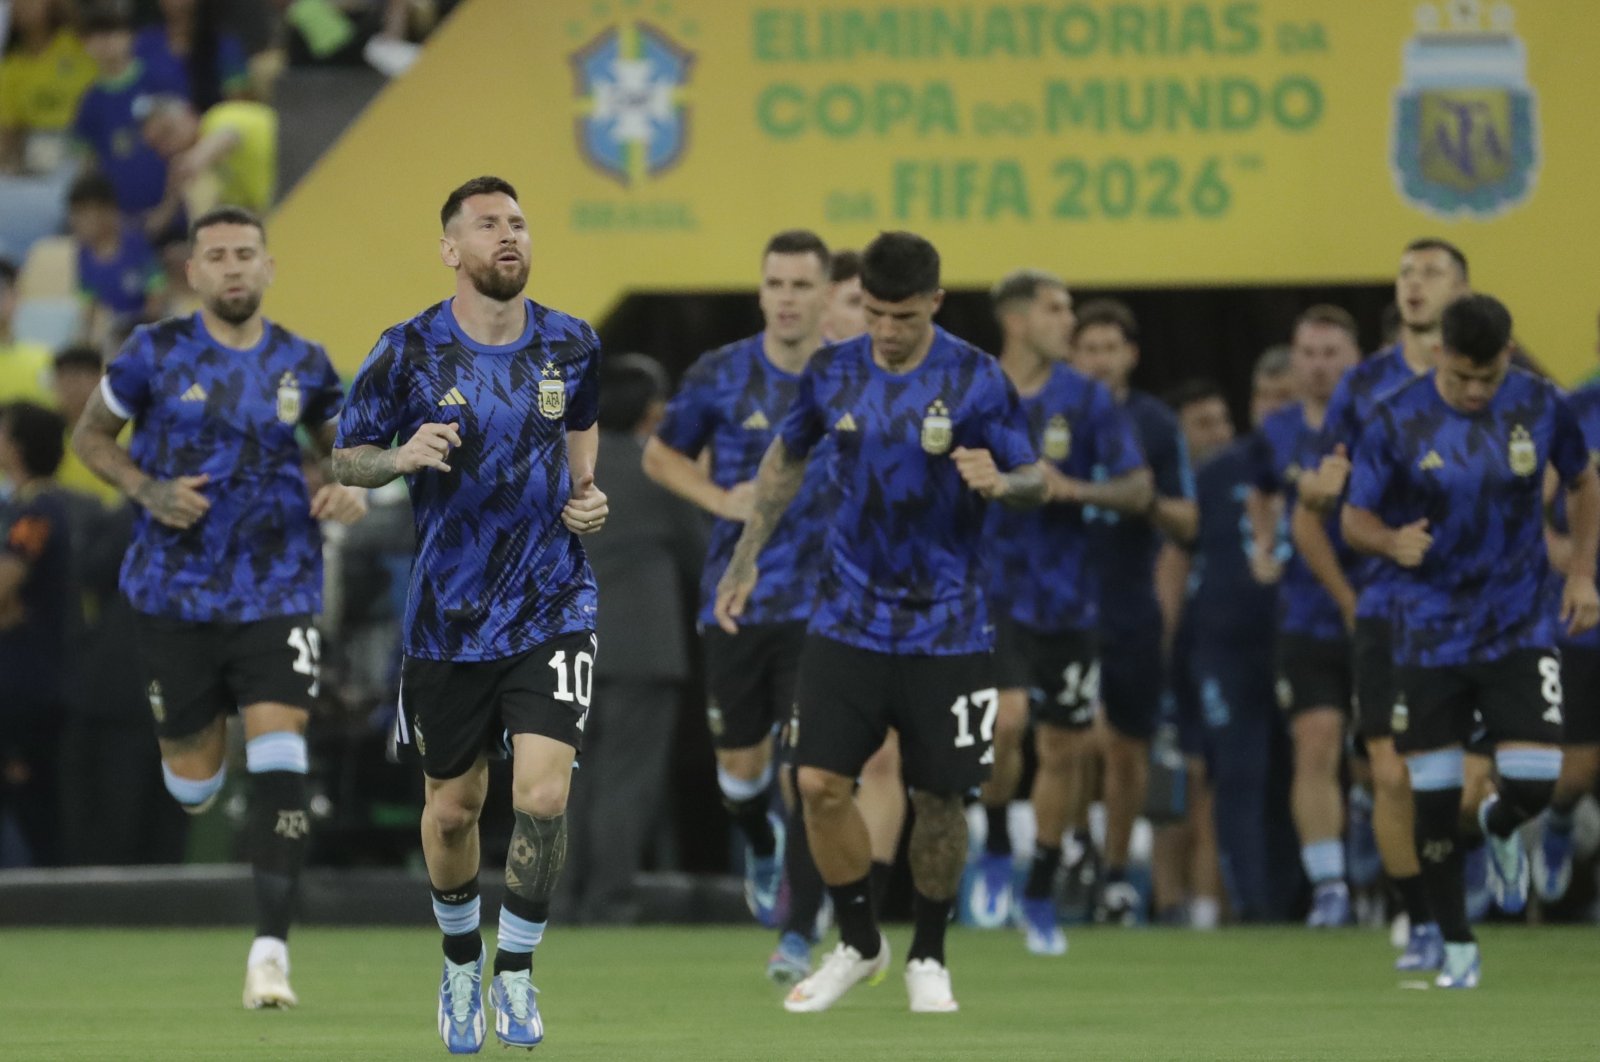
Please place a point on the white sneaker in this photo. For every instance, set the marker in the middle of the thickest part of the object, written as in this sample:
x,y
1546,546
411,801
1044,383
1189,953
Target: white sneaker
x,y
266,979
928,985
839,972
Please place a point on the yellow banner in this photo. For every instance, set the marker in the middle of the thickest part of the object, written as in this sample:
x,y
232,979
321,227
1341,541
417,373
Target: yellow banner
x,y
657,143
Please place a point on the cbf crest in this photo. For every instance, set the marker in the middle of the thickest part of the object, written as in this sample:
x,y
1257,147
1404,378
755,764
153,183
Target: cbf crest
x,y
937,433
288,399
630,82
1057,438
552,394
1466,136
1521,453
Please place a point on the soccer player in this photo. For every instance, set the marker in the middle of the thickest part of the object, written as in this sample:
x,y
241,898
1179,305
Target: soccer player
x,y
732,401
923,429
1432,273
845,317
1314,683
1447,484
1580,684
1133,628
1044,594
226,560
496,398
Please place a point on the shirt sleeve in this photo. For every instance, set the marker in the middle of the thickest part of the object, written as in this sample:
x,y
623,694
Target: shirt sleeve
x,y
327,393
371,415
803,426
691,415
1115,442
1005,425
1371,468
585,406
1569,452
126,384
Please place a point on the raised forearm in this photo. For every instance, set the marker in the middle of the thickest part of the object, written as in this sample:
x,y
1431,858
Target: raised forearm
x,y
1177,518
1583,508
1024,487
777,482
1311,542
1365,532
583,451
94,440
683,476
365,466
1130,493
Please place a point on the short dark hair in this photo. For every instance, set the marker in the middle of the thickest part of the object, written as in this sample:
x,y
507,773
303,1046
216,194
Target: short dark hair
x,y
39,433
79,356
1434,243
628,384
1106,312
1324,313
899,265
846,265
92,189
1193,391
1023,285
226,215
1477,327
477,186
799,241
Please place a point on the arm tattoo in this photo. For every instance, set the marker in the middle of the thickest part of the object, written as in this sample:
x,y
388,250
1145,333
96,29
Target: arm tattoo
x,y
95,442
938,849
159,496
777,482
364,466
1025,488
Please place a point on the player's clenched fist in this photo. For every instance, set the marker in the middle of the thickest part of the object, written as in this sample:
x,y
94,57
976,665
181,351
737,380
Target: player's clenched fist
x,y
428,448
1411,544
176,503
586,509
979,471
1321,487
1580,606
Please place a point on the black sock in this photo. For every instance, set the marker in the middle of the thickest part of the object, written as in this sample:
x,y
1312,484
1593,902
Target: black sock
x,y
805,884
998,842
460,948
516,961
1042,874
1116,874
1440,851
853,910
931,918
1414,899
882,874
751,818
1520,800
280,828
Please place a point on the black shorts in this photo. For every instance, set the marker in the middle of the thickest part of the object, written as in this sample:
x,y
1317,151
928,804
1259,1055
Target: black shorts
x,y
1514,698
1372,654
452,712
1580,702
1132,682
944,708
1313,673
1061,672
750,680
194,672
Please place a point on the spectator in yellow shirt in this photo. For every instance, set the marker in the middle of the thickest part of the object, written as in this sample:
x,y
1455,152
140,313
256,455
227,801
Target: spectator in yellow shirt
x,y
24,367
77,374
236,141
41,78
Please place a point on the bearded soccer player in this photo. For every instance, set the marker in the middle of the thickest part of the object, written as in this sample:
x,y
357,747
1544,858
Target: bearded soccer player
x,y
1447,484
923,429
496,397
226,559
1045,595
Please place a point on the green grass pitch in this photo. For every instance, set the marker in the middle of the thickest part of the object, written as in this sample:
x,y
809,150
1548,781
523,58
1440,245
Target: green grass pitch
x,y
698,994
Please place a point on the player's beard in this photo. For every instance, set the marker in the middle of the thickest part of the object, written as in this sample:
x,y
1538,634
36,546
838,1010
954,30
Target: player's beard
x,y
236,310
496,284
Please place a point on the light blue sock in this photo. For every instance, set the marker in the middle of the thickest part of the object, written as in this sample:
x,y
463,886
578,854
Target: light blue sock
x,y
1324,861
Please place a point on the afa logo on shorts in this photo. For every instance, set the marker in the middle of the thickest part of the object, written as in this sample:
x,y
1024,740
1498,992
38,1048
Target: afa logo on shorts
x,y
631,85
1466,135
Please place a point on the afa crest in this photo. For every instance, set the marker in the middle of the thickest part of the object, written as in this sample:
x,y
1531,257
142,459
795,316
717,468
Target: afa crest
x,y
937,433
1466,136
1521,453
552,394
289,407
630,82
1057,438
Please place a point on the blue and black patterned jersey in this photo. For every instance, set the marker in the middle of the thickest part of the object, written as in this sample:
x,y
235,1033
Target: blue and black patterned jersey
x,y
200,408
1349,412
1482,590
1125,547
903,571
496,571
733,400
1226,602
1283,447
1042,574
1585,403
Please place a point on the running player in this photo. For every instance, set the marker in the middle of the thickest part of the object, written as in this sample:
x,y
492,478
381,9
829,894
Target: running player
x,y
923,427
226,560
496,398
1447,484
1133,628
1044,594
1314,677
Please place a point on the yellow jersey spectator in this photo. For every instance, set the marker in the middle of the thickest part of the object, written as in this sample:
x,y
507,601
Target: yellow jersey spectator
x,y
41,79
77,374
25,368
235,142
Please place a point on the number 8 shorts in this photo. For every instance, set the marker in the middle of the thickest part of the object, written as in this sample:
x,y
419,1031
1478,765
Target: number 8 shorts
x,y
453,711
1515,698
